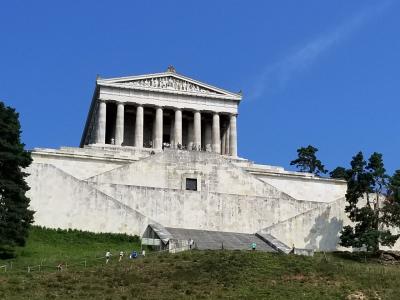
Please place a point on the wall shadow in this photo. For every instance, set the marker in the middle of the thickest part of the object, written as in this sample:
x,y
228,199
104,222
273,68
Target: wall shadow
x,y
324,235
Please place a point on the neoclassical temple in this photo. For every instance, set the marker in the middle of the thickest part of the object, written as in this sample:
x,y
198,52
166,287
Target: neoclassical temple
x,y
121,179
162,109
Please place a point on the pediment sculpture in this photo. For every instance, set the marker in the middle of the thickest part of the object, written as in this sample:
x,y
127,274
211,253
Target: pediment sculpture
x,y
171,83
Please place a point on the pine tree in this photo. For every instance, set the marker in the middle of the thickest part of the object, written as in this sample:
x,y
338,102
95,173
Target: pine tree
x,y
373,219
307,161
339,173
394,187
391,210
15,217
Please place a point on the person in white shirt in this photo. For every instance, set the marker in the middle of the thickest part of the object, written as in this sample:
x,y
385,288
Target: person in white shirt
x,y
108,256
191,243
121,255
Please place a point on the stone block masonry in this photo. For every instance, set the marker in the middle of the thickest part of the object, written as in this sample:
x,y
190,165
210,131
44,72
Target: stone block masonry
x,y
125,191
163,149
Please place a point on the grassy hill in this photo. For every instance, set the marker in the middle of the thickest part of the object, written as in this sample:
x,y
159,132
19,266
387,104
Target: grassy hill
x,y
187,275
49,247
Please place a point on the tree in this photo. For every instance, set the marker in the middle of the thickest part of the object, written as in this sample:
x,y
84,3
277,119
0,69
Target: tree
x,y
394,187
15,217
391,210
339,173
372,219
307,161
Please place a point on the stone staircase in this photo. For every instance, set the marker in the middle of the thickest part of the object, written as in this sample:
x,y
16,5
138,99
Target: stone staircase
x,y
215,240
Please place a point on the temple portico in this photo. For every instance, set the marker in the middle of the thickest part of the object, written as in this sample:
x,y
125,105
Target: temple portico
x,y
163,110
147,126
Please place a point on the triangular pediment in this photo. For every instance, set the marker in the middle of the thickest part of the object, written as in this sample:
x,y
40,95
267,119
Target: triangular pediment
x,y
169,82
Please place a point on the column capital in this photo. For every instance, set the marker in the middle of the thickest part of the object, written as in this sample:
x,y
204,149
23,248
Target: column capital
x,y
197,112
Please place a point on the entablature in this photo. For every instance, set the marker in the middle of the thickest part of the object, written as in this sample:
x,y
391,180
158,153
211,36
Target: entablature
x,y
151,98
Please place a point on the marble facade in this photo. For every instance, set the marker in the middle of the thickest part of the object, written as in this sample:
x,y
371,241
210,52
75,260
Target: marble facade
x,y
162,148
163,110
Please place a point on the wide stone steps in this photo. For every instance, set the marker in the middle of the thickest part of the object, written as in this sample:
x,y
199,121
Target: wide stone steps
x,y
214,240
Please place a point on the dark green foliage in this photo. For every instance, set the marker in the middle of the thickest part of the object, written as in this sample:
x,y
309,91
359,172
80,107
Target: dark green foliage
x,y
75,236
339,173
368,181
307,161
15,217
391,211
394,187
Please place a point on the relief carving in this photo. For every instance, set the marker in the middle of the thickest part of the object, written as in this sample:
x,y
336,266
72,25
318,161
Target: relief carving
x,y
170,83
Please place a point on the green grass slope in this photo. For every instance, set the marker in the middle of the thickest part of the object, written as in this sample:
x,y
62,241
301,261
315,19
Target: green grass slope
x,y
193,275
49,247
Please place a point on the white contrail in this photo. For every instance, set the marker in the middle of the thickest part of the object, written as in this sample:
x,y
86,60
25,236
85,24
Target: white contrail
x,y
276,76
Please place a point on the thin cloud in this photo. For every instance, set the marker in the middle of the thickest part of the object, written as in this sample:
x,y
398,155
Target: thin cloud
x,y
276,76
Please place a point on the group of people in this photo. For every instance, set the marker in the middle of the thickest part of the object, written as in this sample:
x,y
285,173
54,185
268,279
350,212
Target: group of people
x,y
184,147
178,146
133,255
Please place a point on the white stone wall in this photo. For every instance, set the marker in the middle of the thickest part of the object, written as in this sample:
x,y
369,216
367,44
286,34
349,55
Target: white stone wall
x,y
317,228
310,189
125,193
62,201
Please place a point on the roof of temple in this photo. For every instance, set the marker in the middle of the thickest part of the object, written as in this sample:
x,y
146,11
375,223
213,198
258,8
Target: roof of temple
x,y
169,82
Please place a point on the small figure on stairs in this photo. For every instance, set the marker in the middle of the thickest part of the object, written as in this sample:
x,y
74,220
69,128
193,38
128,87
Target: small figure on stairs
x,y
253,246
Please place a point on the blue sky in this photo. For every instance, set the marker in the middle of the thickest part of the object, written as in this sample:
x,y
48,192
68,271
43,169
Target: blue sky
x,y
324,73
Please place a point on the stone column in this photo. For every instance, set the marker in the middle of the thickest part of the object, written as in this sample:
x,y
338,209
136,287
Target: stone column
x,y
190,136
233,136
101,123
223,142
159,128
139,127
178,127
153,132
119,125
172,133
216,134
227,140
197,129
208,137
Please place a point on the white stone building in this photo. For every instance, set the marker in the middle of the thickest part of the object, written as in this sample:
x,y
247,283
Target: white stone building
x,y
162,149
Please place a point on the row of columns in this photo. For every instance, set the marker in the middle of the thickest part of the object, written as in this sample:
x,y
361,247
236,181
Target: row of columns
x,y
229,139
